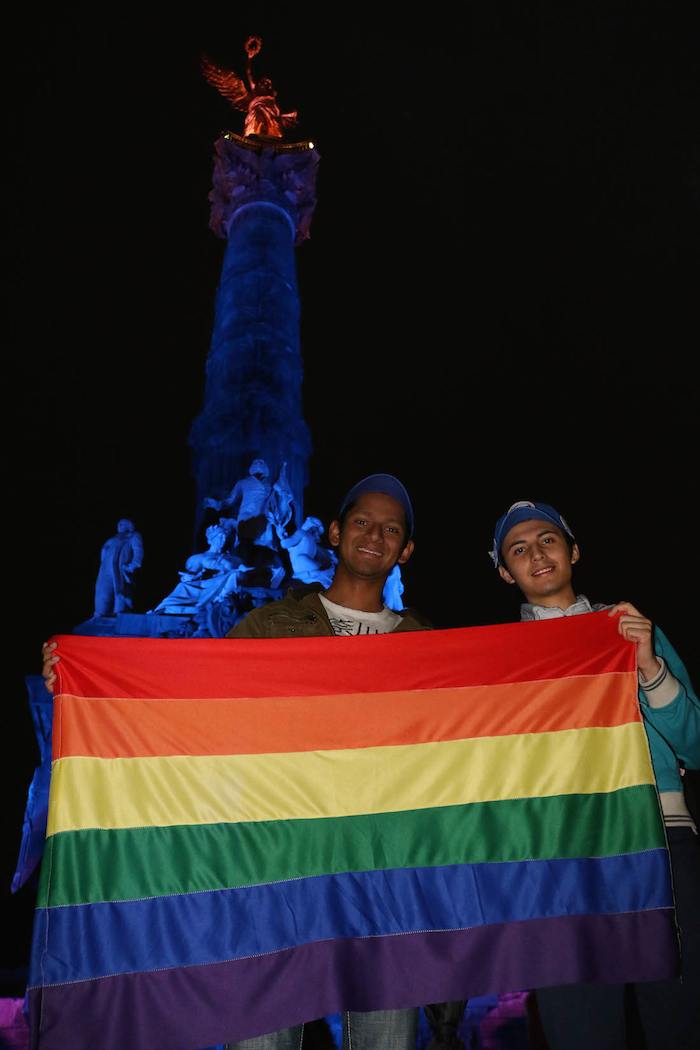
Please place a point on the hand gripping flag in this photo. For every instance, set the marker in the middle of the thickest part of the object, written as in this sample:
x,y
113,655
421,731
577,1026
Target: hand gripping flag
x,y
246,834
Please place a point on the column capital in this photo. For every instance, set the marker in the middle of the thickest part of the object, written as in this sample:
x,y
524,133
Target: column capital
x,y
249,170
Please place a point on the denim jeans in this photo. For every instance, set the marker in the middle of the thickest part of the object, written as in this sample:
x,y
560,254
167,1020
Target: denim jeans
x,y
285,1039
374,1030
580,1016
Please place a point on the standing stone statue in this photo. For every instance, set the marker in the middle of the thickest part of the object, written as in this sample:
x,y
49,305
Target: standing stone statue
x,y
258,506
120,557
247,502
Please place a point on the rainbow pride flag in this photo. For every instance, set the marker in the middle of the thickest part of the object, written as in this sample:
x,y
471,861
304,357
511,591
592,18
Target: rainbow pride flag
x,y
244,835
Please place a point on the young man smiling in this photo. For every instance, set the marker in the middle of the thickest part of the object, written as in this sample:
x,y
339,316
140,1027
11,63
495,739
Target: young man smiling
x,y
538,556
534,548
372,533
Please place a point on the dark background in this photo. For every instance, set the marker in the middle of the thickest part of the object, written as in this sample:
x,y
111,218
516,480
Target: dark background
x,y
499,297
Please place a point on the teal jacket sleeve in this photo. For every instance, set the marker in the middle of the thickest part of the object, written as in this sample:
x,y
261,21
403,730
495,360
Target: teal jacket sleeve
x,y
678,723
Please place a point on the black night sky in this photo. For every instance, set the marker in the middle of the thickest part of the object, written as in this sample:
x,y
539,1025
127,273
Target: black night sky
x,y
499,296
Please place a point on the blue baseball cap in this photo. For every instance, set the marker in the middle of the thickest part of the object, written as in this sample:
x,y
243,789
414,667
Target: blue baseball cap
x,y
524,510
386,484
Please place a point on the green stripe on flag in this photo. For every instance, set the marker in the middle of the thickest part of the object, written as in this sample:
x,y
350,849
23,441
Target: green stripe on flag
x,y
134,863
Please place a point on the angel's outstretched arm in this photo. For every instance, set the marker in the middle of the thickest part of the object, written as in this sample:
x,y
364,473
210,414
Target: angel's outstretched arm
x,y
252,47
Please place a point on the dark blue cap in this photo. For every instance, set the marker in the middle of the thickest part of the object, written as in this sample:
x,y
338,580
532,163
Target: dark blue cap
x,y
524,510
386,484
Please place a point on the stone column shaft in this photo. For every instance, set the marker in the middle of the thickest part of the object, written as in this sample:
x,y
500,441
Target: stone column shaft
x,y
262,202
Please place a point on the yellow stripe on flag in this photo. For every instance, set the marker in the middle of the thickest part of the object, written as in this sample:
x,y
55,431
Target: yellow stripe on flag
x,y
150,792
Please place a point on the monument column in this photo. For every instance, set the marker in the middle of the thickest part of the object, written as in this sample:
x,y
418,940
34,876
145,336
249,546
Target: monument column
x,y
263,199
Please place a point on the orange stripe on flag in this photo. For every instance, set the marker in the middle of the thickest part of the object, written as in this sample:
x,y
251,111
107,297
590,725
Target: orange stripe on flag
x,y
113,728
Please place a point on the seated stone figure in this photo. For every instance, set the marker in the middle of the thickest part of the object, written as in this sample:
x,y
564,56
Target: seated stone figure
x,y
210,576
311,563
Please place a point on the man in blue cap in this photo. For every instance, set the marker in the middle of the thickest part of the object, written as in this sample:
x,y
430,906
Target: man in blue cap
x,y
372,534
535,549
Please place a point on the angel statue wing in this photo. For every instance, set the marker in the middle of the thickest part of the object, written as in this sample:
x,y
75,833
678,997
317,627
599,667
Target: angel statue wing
x,y
227,83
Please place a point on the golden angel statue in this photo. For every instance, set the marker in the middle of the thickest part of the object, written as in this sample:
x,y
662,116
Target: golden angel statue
x,y
257,99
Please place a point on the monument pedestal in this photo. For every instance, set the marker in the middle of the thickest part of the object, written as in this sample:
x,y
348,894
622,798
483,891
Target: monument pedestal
x,y
100,626
152,625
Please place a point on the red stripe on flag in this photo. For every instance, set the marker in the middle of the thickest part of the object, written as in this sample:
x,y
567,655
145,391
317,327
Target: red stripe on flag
x,y
148,668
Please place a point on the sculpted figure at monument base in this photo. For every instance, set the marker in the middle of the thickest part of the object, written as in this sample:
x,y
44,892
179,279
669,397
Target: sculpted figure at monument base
x,y
120,557
310,562
210,576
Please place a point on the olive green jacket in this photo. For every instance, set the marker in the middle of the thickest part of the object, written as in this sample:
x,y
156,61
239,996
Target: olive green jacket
x,y
301,613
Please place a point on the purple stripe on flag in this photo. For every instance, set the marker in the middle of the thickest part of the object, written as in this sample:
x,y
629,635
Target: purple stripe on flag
x,y
195,1006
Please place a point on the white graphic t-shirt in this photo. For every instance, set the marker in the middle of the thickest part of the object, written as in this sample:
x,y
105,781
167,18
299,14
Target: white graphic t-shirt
x,y
354,621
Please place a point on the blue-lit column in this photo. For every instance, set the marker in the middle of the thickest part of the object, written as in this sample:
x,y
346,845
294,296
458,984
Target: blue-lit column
x,y
263,199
